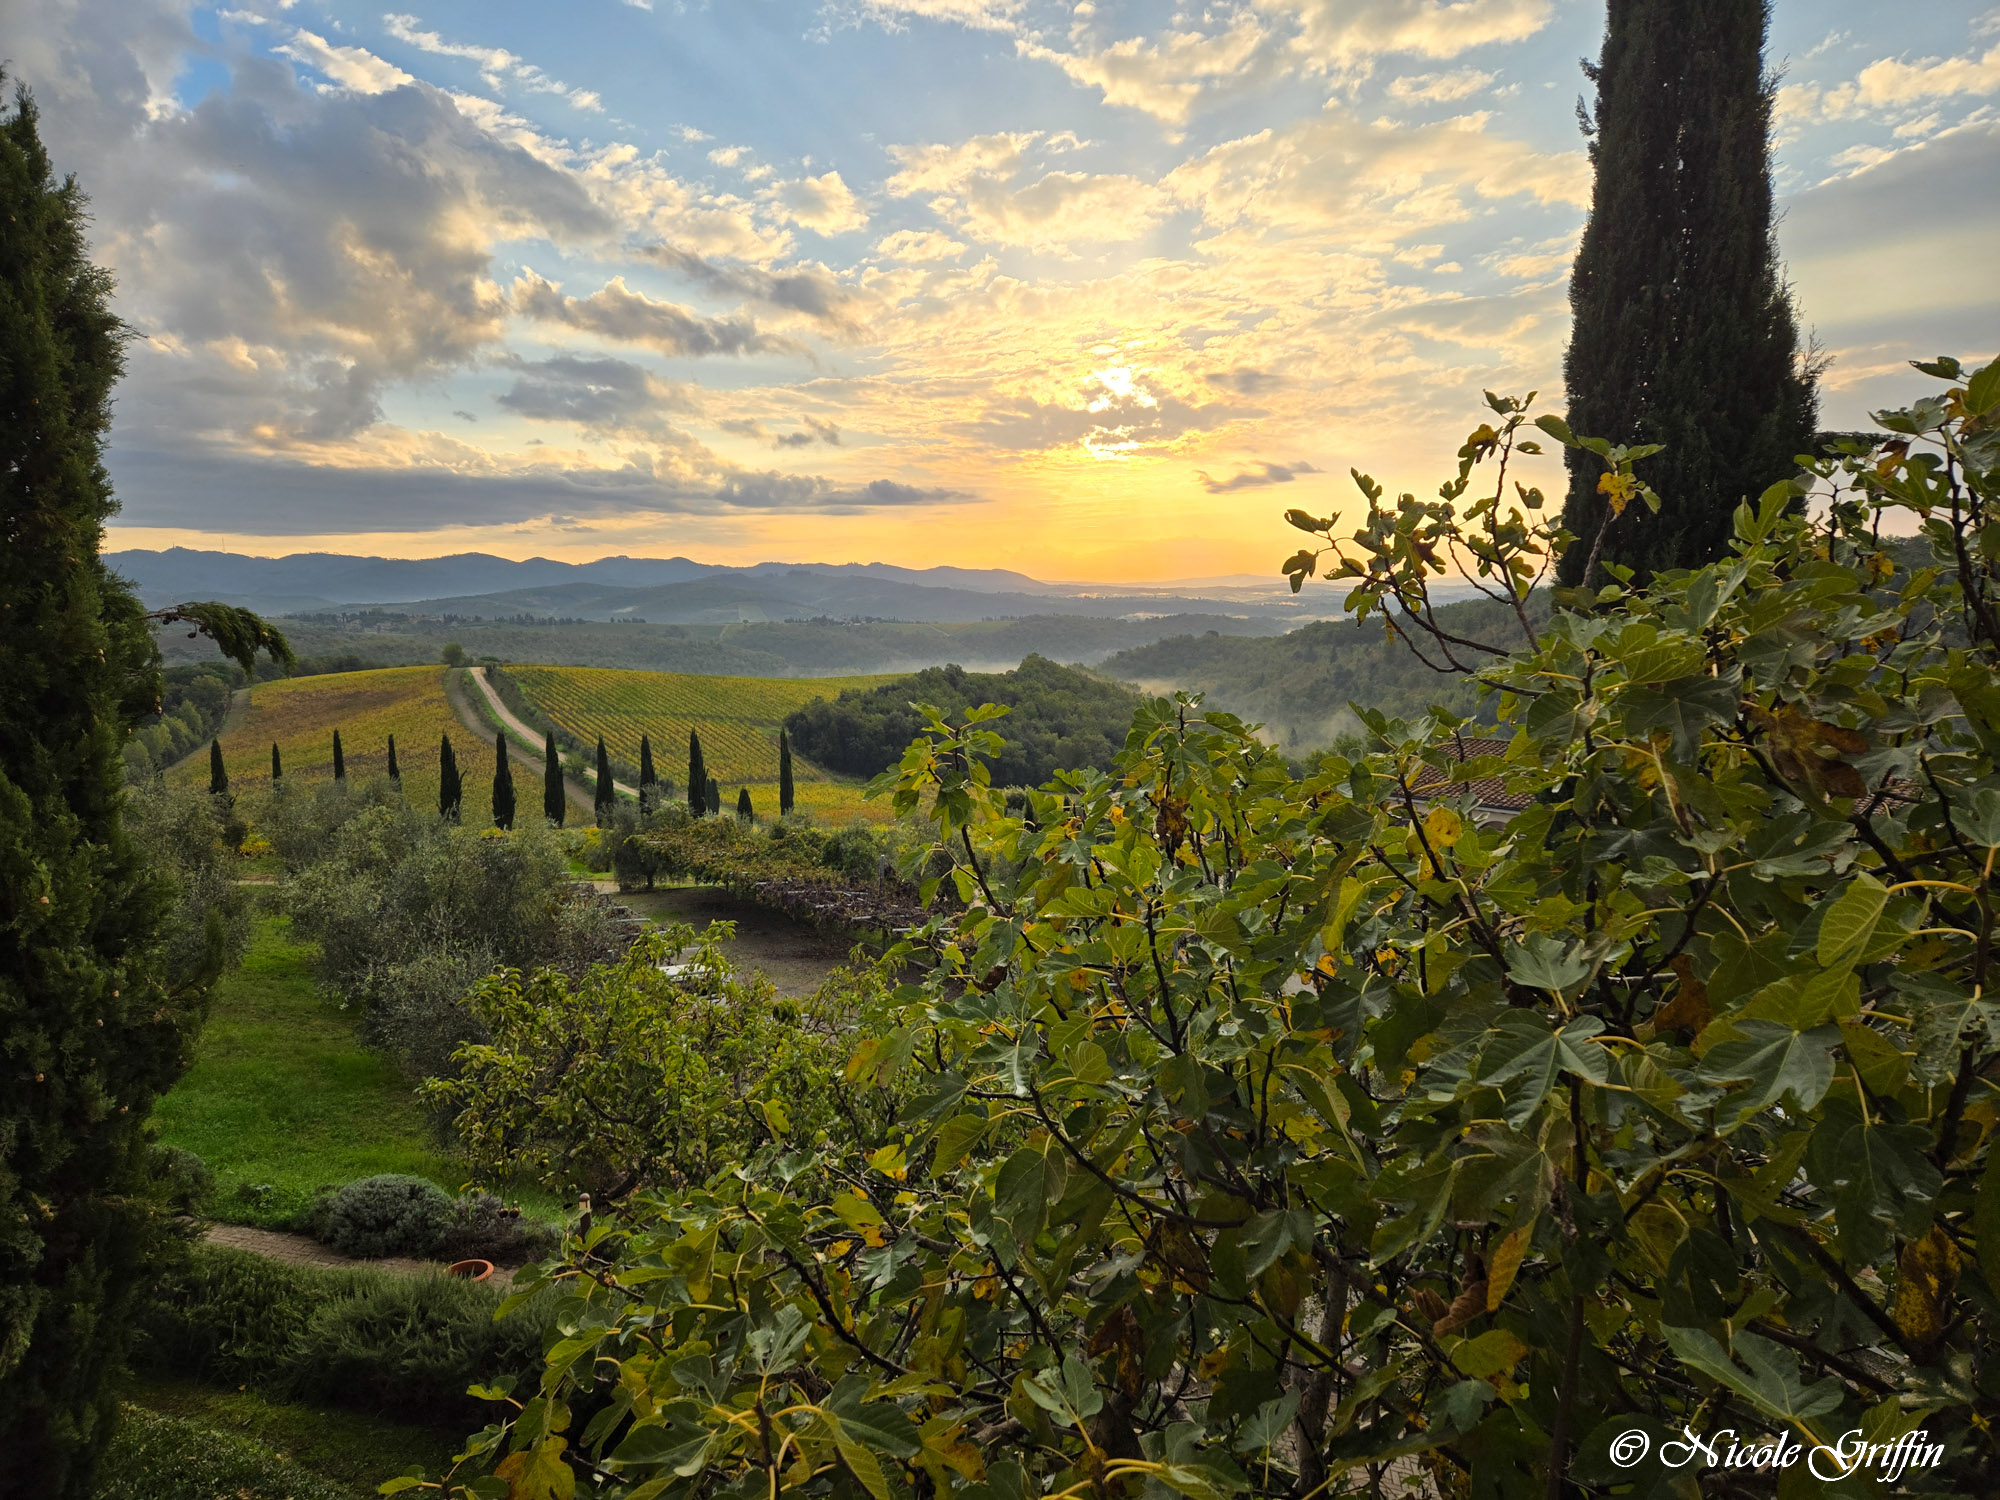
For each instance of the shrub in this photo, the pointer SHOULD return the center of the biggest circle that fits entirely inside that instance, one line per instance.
(390, 1214)
(483, 1227)
(155, 1457)
(183, 1179)
(357, 1337)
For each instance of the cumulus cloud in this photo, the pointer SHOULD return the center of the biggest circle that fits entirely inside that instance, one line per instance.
(1262, 473)
(811, 290)
(823, 204)
(985, 187)
(615, 311)
(1347, 36)
(816, 430)
(1163, 76)
(1889, 84)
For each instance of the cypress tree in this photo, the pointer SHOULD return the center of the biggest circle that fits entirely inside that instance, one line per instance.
(743, 808)
(697, 777)
(555, 802)
(93, 1023)
(649, 780)
(1684, 332)
(607, 794)
(784, 774)
(714, 799)
(503, 784)
(218, 774)
(339, 762)
(394, 774)
(277, 765)
(451, 792)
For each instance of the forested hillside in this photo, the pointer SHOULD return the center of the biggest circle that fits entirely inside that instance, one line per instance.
(1062, 719)
(1300, 685)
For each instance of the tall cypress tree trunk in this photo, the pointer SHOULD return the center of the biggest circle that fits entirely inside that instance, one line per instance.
(277, 765)
(1684, 331)
(555, 801)
(503, 784)
(784, 774)
(339, 761)
(218, 774)
(395, 775)
(697, 777)
(89, 1032)
(649, 780)
(451, 792)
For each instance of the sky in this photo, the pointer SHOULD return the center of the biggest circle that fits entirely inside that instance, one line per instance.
(1091, 290)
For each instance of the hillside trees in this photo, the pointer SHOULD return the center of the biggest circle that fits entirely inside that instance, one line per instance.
(95, 1016)
(1285, 1136)
(1062, 718)
(1684, 331)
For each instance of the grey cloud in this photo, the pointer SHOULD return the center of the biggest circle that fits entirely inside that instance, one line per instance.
(1245, 381)
(817, 431)
(1025, 424)
(815, 292)
(603, 393)
(615, 311)
(464, 416)
(1265, 472)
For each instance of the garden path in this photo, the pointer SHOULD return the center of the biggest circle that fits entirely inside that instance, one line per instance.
(298, 1250)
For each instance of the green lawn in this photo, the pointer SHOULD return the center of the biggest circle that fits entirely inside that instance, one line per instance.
(284, 1096)
(355, 1453)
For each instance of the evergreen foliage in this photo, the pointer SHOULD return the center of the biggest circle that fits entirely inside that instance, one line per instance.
(697, 777)
(555, 800)
(451, 788)
(92, 1029)
(649, 779)
(743, 808)
(1684, 331)
(339, 760)
(714, 798)
(395, 774)
(784, 774)
(218, 774)
(503, 784)
(1061, 719)
(277, 765)
(606, 792)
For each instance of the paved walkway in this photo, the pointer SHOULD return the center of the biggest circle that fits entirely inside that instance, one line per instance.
(298, 1250)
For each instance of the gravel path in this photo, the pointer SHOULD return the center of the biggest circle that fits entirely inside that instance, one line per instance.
(297, 1250)
(528, 736)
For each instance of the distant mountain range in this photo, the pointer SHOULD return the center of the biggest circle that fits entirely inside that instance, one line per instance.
(673, 590)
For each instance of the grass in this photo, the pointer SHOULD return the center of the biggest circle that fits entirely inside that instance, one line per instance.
(283, 1099)
(156, 1457)
(300, 715)
(352, 1452)
(736, 717)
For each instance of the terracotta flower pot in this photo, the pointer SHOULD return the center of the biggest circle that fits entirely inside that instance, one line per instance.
(471, 1270)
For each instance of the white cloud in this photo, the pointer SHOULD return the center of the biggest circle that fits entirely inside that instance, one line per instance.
(353, 68)
(895, 15)
(985, 188)
(823, 204)
(496, 64)
(615, 311)
(1346, 36)
(1162, 76)
(1440, 88)
(920, 245)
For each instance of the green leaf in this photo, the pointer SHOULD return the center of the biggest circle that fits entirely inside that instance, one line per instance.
(1879, 1175)
(1986, 1216)
(1543, 963)
(1020, 1195)
(1526, 1057)
(1776, 1062)
(1850, 923)
(1982, 391)
(1683, 708)
(1771, 1383)
(1268, 1423)
(1069, 1392)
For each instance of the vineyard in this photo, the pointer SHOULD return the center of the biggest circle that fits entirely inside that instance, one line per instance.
(736, 717)
(300, 716)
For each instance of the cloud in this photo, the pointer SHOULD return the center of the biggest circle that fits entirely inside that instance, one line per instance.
(812, 290)
(1162, 76)
(496, 65)
(1440, 88)
(823, 204)
(985, 188)
(1347, 36)
(1263, 473)
(920, 245)
(593, 392)
(353, 68)
(615, 311)
(895, 15)
(816, 430)
(1244, 381)
(1115, 412)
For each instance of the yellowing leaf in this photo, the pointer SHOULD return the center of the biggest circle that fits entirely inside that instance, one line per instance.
(1506, 1263)
(1494, 1353)
(1443, 827)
